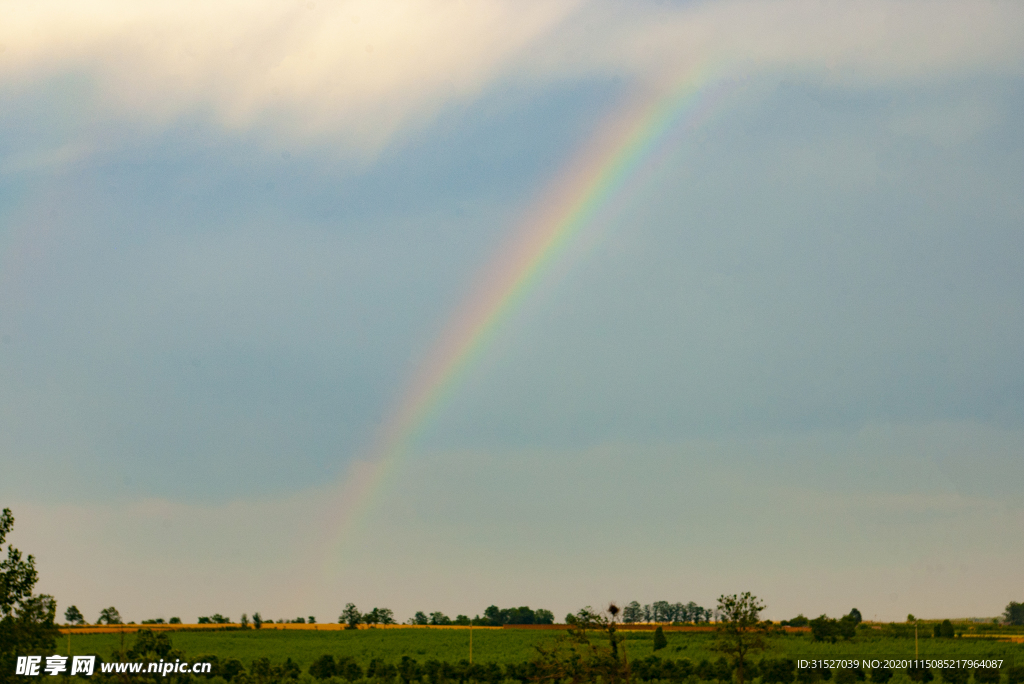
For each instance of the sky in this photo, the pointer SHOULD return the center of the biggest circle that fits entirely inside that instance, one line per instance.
(438, 304)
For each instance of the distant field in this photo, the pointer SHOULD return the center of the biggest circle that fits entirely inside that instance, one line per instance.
(504, 646)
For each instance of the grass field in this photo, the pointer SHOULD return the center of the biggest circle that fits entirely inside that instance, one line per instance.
(517, 646)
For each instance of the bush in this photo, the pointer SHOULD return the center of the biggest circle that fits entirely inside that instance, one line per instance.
(1015, 675)
(918, 673)
(987, 675)
(824, 628)
(660, 641)
(847, 675)
(779, 671)
(955, 675)
(323, 667)
(881, 675)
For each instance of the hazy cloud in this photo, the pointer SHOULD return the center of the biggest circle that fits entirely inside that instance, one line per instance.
(361, 72)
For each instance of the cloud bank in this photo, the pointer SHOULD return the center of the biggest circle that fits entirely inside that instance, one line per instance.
(362, 72)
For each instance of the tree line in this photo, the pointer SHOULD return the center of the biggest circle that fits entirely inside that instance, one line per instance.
(493, 616)
(663, 611)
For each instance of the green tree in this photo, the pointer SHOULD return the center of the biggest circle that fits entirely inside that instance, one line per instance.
(73, 616)
(420, 618)
(660, 641)
(109, 616)
(323, 667)
(257, 620)
(1013, 615)
(632, 612)
(780, 671)
(350, 616)
(824, 628)
(576, 658)
(740, 629)
(27, 620)
(439, 618)
(542, 616)
(946, 630)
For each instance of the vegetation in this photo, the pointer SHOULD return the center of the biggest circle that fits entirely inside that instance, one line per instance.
(512, 654)
(27, 624)
(665, 612)
(660, 641)
(109, 616)
(1014, 614)
(740, 629)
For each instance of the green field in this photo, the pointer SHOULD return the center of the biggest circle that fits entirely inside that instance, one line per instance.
(513, 646)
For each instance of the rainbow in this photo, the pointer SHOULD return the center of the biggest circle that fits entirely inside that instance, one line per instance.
(620, 159)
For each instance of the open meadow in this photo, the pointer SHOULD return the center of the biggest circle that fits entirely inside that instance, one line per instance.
(505, 647)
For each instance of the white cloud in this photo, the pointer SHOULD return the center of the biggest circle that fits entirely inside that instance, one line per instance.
(364, 71)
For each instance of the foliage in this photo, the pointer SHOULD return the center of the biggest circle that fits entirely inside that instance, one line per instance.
(1013, 615)
(987, 675)
(660, 641)
(378, 616)
(523, 615)
(824, 628)
(881, 674)
(798, 621)
(215, 619)
(849, 675)
(919, 673)
(740, 629)
(17, 576)
(955, 675)
(665, 612)
(575, 657)
(778, 671)
(73, 616)
(350, 616)
(257, 620)
(109, 616)
(27, 620)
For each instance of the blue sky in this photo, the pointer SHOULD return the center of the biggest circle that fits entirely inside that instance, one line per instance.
(787, 363)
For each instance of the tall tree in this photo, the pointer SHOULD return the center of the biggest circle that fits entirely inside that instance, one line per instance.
(73, 616)
(27, 620)
(1014, 613)
(740, 629)
(109, 616)
(350, 616)
(632, 612)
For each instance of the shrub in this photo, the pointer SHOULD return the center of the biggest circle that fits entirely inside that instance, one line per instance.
(660, 641)
(881, 674)
(955, 675)
(987, 675)
(323, 667)
(919, 673)
(779, 671)
(824, 628)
